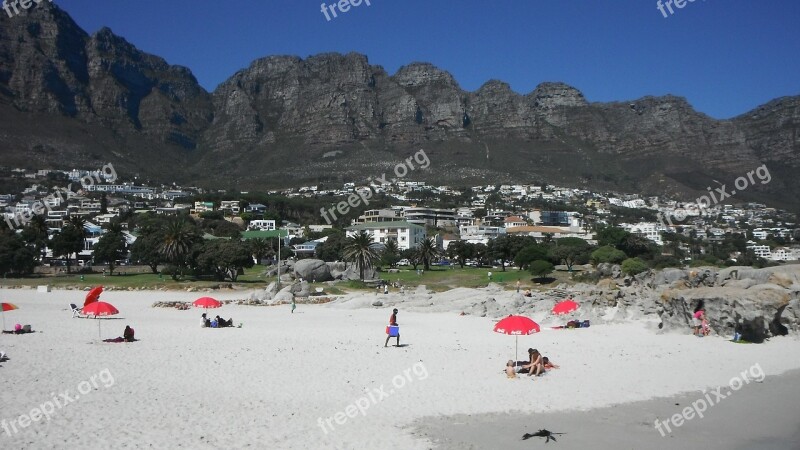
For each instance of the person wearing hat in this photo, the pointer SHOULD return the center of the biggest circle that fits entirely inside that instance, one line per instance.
(392, 323)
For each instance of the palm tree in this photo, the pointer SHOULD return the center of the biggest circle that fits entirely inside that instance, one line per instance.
(178, 240)
(79, 222)
(260, 248)
(428, 251)
(35, 234)
(391, 253)
(360, 250)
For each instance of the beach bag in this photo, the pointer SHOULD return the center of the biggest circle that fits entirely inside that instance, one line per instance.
(26, 329)
(585, 324)
(387, 329)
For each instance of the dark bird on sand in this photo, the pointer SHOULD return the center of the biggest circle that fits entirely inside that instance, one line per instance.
(541, 433)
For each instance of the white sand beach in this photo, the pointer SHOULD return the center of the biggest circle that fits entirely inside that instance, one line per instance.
(268, 384)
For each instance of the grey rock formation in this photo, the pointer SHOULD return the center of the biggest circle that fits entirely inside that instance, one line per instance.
(312, 270)
(285, 295)
(349, 271)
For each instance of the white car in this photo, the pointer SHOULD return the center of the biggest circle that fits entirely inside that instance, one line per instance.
(404, 262)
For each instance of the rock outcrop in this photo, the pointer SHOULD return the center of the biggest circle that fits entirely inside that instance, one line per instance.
(70, 99)
(315, 270)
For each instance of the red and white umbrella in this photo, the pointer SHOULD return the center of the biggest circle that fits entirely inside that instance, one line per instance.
(565, 307)
(207, 302)
(100, 309)
(516, 326)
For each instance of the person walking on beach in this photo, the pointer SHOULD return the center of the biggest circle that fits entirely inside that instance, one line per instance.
(392, 323)
(294, 305)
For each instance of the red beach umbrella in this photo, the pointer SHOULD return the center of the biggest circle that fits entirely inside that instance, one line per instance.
(93, 295)
(565, 307)
(7, 307)
(516, 326)
(207, 302)
(98, 309)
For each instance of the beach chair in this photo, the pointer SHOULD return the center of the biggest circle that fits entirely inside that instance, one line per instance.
(76, 311)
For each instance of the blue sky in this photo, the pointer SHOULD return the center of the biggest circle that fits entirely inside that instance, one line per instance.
(725, 56)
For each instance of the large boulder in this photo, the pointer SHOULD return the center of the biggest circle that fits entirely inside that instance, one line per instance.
(785, 276)
(349, 271)
(300, 289)
(312, 269)
(670, 276)
(609, 270)
(757, 313)
(284, 296)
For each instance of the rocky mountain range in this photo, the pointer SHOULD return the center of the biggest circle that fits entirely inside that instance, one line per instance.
(69, 99)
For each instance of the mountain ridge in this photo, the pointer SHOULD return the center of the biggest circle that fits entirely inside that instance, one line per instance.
(71, 99)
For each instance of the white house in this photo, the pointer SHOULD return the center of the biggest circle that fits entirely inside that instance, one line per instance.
(263, 225)
(762, 251)
(648, 230)
(480, 234)
(407, 235)
(514, 221)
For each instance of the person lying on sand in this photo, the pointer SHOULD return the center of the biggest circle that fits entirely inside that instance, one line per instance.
(19, 329)
(222, 323)
(127, 336)
(547, 364)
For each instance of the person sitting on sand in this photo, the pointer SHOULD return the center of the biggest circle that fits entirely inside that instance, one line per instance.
(534, 366)
(204, 322)
(510, 370)
(128, 334)
(547, 364)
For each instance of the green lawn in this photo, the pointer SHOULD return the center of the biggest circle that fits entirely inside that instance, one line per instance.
(437, 279)
(136, 277)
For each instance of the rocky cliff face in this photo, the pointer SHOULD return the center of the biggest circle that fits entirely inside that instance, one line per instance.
(70, 99)
(67, 98)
